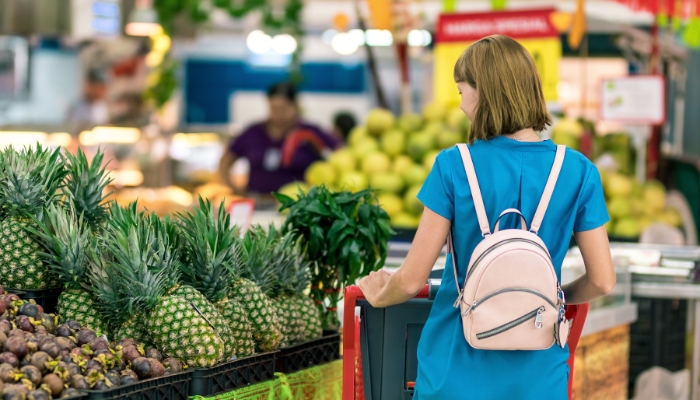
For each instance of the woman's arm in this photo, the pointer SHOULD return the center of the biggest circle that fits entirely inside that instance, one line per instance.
(383, 290)
(600, 277)
(225, 165)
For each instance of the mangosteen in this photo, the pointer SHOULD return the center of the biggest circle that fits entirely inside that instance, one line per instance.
(54, 383)
(8, 373)
(64, 331)
(17, 332)
(129, 372)
(74, 325)
(65, 343)
(32, 373)
(104, 352)
(48, 321)
(101, 385)
(153, 353)
(99, 343)
(29, 310)
(76, 351)
(127, 342)
(79, 382)
(5, 327)
(38, 395)
(94, 365)
(131, 352)
(157, 369)
(70, 392)
(84, 336)
(17, 345)
(113, 377)
(41, 361)
(9, 358)
(24, 323)
(2, 290)
(119, 364)
(172, 365)
(86, 351)
(142, 367)
(51, 349)
(128, 380)
(15, 392)
(32, 344)
(3, 307)
(73, 368)
(40, 330)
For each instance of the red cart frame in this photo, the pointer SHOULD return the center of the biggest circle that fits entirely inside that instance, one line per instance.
(351, 342)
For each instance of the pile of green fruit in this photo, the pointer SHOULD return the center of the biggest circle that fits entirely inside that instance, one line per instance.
(392, 156)
(633, 206)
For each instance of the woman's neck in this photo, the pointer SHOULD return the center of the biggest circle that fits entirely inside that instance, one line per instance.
(277, 132)
(524, 135)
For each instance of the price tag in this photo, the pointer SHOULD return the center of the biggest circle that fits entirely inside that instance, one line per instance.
(241, 211)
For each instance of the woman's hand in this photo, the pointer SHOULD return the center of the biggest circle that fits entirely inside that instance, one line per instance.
(373, 284)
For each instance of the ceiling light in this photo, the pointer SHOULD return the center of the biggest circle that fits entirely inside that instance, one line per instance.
(377, 37)
(284, 44)
(419, 38)
(258, 42)
(344, 43)
(143, 20)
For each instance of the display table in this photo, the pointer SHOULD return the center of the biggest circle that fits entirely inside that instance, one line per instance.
(323, 382)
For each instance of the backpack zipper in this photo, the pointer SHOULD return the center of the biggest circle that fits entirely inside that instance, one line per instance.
(506, 290)
(499, 244)
(536, 313)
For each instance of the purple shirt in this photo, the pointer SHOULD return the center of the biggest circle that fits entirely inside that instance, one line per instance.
(265, 154)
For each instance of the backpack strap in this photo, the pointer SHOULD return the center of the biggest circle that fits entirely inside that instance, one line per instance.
(548, 189)
(476, 192)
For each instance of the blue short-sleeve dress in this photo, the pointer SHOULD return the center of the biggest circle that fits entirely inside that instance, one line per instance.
(511, 174)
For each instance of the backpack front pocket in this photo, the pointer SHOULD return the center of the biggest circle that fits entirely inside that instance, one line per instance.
(536, 313)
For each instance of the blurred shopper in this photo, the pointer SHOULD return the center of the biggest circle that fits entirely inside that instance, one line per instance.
(502, 96)
(343, 123)
(91, 109)
(280, 149)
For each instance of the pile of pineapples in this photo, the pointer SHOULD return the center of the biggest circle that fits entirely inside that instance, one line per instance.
(189, 284)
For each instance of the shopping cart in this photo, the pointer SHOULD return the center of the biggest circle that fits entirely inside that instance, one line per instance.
(378, 365)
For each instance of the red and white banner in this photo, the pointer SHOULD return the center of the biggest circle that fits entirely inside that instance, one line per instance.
(516, 24)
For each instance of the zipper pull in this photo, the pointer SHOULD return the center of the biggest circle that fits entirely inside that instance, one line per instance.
(538, 318)
(459, 299)
(560, 291)
(471, 307)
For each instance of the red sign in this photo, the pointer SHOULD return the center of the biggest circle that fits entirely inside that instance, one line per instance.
(516, 24)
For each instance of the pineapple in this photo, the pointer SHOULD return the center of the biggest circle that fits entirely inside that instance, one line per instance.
(148, 271)
(250, 292)
(85, 188)
(210, 251)
(30, 181)
(67, 241)
(310, 315)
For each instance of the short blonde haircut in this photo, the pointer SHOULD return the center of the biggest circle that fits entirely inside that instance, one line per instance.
(509, 87)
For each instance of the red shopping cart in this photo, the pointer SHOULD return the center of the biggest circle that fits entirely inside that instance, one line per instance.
(377, 364)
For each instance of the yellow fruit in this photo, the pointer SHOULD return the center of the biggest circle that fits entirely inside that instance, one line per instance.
(400, 164)
(434, 112)
(387, 182)
(609, 226)
(415, 175)
(375, 163)
(343, 160)
(627, 228)
(320, 173)
(419, 145)
(292, 189)
(356, 134)
(378, 121)
(619, 207)
(670, 217)
(393, 143)
(352, 181)
(410, 122)
(455, 118)
(405, 221)
(434, 129)
(392, 204)
(429, 159)
(654, 194)
(364, 146)
(567, 140)
(569, 127)
(617, 185)
(448, 139)
(410, 201)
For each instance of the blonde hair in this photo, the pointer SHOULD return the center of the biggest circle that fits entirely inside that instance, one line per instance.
(508, 85)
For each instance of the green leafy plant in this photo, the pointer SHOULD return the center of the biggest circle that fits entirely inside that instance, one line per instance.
(345, 235)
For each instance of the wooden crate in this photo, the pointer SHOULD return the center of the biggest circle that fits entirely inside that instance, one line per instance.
(602, 365)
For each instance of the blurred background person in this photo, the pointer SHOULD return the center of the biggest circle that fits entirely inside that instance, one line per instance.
(343, 123)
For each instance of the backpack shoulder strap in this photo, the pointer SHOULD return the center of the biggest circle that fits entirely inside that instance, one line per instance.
(476, 192)
(548, 189)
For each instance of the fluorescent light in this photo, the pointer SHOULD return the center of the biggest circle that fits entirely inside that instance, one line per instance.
(419, 38)
(127, 178)
(358, 35)
(284, 44)
(259, 42)
(344, 44)
(109, 134)
(141, 28)
(143, 20)
(191, 139)
(21, 139)
(377, 37)
(60, 139)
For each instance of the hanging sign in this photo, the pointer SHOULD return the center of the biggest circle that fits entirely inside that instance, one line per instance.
(634, 99)
(531, 28)
(241, 211)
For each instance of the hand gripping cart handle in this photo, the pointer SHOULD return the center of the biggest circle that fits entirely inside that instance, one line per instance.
(378, 365)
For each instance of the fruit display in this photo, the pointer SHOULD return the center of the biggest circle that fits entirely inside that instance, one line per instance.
(43, 359)
(633, 206)
(392, 156)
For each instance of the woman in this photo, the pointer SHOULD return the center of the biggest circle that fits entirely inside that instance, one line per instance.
(502, 96)
(280, 149)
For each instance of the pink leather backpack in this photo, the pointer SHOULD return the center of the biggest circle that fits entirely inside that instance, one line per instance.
(511, 297)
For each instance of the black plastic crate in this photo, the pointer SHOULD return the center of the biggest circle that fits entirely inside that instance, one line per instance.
(76, 397)
(233, 375)
(46, 298)
(658, 336)
(305, 355)
(170, 387)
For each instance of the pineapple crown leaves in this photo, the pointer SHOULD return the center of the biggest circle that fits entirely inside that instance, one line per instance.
(210, 250)
(121, 218)
(105, 285)
(85, 186)
(31, 180)
(65, 240)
